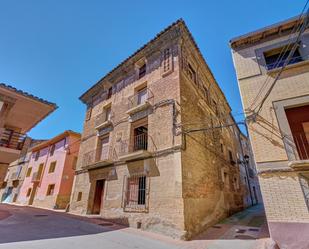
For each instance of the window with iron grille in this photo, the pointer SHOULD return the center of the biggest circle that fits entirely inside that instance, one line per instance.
(277, 57)
(167, 64)
(135, 196)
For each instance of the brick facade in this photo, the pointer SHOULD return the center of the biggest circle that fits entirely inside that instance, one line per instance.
(185, 186)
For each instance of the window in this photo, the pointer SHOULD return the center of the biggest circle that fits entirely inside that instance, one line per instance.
(52, 167)
(29, 192)
(142, 71)
(52, 150)
(222, 147)
(37, 154)
(167, 60)
(135, 194)
(231, 157)
(103, 148)
(88, 112)
(191, 73)
(28, 172)
(276, 58)
(108, 113)
(109, 92)
(50, 189)
(142, 96)
(79, 196)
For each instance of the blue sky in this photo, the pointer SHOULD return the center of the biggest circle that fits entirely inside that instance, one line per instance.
(58, 49)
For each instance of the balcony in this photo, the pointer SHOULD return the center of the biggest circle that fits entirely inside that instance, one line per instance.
(140, 146)
(140, 101)
(98, 158)
(297, 148)
(36, 177)
(103, 120)
(12, 139)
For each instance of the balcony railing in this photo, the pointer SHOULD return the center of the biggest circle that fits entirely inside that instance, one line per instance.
(141, 98)
(104, 156)
(14, 176)
(142, 143)
(36, 177)
(12, 139)
(103, 119)
(297, 146)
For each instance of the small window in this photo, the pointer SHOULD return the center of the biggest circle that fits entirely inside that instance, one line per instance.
(88, 113)
(79, 196)
(28, 172)
(50, 189)
(52, 150)
(52, 167)
(231, 157)
(191, 73)
(222, 148)
(29, 192)
(167, 60)
(276, 58)
(142, 71)
(37, 155)
(109, 92)
(135, 195)
(108, 113)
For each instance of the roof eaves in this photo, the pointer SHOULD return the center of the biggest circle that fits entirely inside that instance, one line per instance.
(82, 97)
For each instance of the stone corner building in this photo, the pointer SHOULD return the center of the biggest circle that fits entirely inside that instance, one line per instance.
(280, 132)
(142, 160)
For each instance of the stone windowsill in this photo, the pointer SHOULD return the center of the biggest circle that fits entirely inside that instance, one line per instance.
(104, 124)
(138, 108)
(298, 64)
(135, 155)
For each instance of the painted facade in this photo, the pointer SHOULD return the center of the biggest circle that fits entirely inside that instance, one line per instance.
(50, 172)
(142, 161)
(279, 132)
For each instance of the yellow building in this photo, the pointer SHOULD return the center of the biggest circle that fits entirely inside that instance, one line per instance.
(279, 132)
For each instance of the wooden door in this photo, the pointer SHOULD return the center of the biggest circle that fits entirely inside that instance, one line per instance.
(98, 196)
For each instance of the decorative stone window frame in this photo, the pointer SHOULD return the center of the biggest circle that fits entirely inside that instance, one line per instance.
(138, 65)
(279, 108)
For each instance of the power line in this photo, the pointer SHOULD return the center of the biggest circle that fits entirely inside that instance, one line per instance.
(291, 53)
(296, 28)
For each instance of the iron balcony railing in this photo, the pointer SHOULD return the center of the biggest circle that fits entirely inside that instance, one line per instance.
(102, 118)
(279, 64)
(140, 98)
(297, 146)
(137, 143)
(106, 154)
(15, 176)
(12, 139)
(36, 177)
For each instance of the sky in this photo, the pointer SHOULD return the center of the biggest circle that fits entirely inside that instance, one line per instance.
(57, 49)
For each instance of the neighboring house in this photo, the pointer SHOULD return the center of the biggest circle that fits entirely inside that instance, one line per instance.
(279, 133)
(16, 174)
(19, 112)
(248, 174)
(50, 172)
(143, 160)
